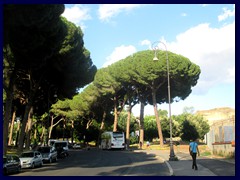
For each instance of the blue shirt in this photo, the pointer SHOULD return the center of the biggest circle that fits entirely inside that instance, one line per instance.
(193, 146)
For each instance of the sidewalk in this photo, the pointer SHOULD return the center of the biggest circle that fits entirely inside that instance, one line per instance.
(182, 167)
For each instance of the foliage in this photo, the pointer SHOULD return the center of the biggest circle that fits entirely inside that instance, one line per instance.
(43, 50)
(189, 131)
(42, 45)
(122, 122)
(150, 128)
(192, 126)
(134, 139)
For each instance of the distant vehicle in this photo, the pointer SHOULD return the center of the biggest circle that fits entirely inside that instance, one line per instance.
(49, 154)
(62, 148)
(51, 142)
(76, 146)
(31, 159)
(64, 144)
(112, 140)
(11, 164)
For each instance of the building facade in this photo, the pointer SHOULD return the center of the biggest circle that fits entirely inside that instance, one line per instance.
(221, 137)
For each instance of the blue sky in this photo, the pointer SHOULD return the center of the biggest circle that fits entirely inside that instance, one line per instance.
(204, 33)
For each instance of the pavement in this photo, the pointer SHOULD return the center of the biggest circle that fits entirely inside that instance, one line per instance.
(183, 166)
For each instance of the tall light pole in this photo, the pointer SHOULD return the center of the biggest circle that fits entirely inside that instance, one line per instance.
(155, 47)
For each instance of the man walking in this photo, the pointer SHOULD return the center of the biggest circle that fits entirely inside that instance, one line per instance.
(193, 150)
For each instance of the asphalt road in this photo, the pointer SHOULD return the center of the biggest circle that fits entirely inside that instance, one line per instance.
(97, 162)
(220, 168)
(217, 166)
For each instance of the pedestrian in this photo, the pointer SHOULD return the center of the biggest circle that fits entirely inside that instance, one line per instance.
(148, 144)
(193, 150)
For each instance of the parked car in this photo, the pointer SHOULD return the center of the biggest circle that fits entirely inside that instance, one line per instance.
(76, 146)
(61, 148)
(62, 153)
(49, 154)
(11, 164)
(31, 159)
(61, 144)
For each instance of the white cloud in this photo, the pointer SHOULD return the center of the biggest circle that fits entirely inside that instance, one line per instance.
(77, 14)
(119, 53)
(184, 14)
(231, 74)
(213, 49)
(146, 43)
(107, 11)
(226, 13)
(204, 5)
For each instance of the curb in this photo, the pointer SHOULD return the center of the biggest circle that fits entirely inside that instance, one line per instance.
(168, 165)
(170, 168)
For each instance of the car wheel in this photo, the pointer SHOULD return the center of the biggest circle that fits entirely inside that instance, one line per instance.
(5, 172)
(19, 169)
(50, 160)
(33, 165)
(56, 159)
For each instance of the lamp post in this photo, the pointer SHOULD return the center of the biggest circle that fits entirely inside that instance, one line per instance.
(155, 47)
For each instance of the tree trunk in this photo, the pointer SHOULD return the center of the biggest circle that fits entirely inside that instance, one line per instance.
(141, 124)
(7, 111)
(23, 127)
(28, 129)
(72, 128)
(17, 137)
(101, 128)
(50, 128)
(157, 117)
(35, 134)
(42, 135)
(103, 120)
(11, 127)
(115, 115)
(128, 127)
(64, 126)
(53, 125)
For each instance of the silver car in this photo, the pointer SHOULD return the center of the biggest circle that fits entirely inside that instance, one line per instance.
(11, 164)
(31, 159)
(49, 154)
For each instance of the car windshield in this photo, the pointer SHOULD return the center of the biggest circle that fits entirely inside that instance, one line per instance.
(44, 149)
(29, 154)
(60, 144)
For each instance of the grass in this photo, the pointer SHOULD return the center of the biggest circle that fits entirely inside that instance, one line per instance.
(206, 153)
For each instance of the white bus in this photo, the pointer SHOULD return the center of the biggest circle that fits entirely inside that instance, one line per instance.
(112, 140)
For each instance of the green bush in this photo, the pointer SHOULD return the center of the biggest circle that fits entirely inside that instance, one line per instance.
(133, 139)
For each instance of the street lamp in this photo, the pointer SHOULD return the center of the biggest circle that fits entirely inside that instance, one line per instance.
(155, 47)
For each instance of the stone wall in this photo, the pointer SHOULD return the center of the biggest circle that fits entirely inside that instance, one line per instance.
(222, 130)
(224, 149)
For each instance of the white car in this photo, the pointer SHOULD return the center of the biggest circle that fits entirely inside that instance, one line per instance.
(31, 159)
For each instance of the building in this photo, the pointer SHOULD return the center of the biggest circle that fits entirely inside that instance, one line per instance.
(221, 137)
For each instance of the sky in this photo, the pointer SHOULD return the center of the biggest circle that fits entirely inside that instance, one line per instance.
(204, 33)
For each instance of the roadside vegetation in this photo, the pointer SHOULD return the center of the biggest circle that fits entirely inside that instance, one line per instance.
(45, 66)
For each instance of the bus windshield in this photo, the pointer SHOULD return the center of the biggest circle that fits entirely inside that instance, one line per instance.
(112, 140)
(117, 135)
